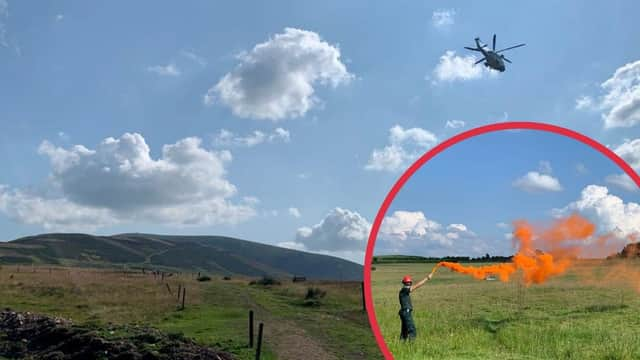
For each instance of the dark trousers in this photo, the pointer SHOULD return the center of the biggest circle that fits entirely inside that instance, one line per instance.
(408, 330)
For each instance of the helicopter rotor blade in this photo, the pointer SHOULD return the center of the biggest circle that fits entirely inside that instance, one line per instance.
(509, 48)
(472, 49)
(481, 60)
(505, 59)
(494, 42)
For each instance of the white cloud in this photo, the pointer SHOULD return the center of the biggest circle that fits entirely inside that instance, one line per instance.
(52, 214)
(280, 134)
(194, 57)
(502, 225)
(406, 145)
(455, 124)
(443, 18)
(630, 152)
(292, 245)
(457, 227)
(340, 230)
(168, 70)
(453, 68)
(585, 103)
(391, 158)
(411, 232)
(4, 17)
(228, 138)
(621, 100)
(276, 79)
(119, 182)
(610, 212)
(534, 181)
(405, 224)
(622, 181)
(295, 212)
(356, 256)
(59, 17)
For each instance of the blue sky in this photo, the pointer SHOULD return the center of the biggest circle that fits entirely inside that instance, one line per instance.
(485, 178)
(324, 85)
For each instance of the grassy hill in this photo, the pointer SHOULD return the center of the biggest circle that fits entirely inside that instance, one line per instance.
(212, 254)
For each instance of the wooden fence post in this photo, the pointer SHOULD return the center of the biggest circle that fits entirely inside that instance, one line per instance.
(184, 294)
(250, 328)
(364, 303)
(259, 347)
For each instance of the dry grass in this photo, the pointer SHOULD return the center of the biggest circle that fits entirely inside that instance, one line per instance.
(94, 294)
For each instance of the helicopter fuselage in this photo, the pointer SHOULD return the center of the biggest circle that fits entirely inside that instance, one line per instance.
(493, 61)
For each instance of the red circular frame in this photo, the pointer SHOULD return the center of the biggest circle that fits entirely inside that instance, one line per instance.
(435, 151)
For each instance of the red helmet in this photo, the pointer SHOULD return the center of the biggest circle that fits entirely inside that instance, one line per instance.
(406, 279)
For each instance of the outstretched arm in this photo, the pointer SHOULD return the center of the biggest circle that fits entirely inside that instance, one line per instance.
(421, 282)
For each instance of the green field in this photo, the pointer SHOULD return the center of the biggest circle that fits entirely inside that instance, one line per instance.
(216, 311)
(458, 317)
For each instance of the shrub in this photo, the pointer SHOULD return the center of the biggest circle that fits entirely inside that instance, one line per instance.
(204, 278)
(313, 296)
(226, 278)
(315, 293)
(265, 281)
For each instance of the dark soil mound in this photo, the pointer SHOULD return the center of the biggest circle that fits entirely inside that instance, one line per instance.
(630, 251)
(30, 336)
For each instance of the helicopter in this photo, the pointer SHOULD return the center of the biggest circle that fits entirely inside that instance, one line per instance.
(492, 58)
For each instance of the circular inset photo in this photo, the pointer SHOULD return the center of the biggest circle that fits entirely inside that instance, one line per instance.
(510, 241)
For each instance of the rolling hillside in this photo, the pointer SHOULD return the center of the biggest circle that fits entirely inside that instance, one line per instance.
(212, 254)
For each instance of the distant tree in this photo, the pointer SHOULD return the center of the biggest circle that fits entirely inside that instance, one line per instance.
(204, 278)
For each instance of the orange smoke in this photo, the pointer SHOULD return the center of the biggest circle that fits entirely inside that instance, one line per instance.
(481, 272)
(563, 241)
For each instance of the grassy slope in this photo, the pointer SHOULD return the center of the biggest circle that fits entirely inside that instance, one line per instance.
(217, 254)
(216, 312)
(461, 318)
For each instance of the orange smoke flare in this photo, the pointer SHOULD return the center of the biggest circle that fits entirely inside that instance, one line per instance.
(536, 266)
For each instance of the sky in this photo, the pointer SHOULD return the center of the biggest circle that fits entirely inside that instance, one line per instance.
(287, 123)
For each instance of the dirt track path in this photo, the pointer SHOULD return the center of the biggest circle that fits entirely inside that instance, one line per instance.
(288, 340)
(291, 342)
